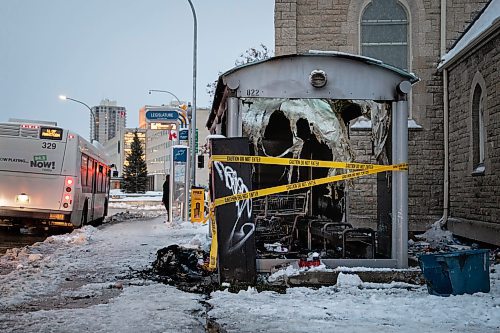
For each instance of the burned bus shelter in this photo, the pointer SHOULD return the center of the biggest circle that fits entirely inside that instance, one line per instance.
(301, 107)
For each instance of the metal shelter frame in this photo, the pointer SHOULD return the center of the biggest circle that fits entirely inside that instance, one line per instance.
(328, 75)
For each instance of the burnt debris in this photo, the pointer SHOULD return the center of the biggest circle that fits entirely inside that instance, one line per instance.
(184, 268)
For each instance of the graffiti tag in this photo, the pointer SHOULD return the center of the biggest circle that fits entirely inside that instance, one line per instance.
(236, 185)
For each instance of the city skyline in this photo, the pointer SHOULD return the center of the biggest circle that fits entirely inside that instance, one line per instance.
(93, 50)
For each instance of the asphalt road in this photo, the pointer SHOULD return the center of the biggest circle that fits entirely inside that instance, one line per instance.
(10, 239)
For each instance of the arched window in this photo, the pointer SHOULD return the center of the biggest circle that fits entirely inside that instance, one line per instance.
(384, 32)
(478, 133)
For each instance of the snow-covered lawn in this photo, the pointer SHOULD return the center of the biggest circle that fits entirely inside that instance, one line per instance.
(82, 282)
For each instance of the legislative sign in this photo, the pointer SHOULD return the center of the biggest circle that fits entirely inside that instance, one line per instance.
(161, 114)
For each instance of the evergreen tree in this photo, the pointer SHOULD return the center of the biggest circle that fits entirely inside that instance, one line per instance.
(135, 173)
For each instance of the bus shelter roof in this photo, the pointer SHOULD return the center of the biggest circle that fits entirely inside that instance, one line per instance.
(345, 76)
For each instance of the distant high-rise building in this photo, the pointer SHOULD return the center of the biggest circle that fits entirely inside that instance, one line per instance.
(110, 119)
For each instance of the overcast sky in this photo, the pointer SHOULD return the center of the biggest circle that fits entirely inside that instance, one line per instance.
(118, 49)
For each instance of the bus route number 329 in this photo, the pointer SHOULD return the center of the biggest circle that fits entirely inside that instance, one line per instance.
(49, 145)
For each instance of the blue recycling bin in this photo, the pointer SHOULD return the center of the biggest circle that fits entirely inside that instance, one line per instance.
(456, 273)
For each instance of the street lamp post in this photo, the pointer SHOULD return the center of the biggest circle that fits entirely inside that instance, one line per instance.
(193, 110)
(63, 97)
(167, 92)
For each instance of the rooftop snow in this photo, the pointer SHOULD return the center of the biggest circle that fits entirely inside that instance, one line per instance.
(488, 18)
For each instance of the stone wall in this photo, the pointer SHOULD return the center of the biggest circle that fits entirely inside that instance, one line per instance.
(363, 191)
(475, 198)
(285, 26)
(302, 25)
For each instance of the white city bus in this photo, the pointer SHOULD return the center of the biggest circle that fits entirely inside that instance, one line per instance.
(50, 176)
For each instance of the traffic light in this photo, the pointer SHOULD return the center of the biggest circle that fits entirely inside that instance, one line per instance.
(201, 161)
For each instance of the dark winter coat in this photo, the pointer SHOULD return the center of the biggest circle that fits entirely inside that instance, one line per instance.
(166, 192)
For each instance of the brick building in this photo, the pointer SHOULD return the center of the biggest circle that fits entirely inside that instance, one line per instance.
(412, 35)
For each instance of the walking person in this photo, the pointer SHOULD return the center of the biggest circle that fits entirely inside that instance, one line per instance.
(166, 194)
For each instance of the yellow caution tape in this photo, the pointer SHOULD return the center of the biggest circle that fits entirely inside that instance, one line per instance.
(307, 183)
(292, 161)
(364, 170)
(212, 264)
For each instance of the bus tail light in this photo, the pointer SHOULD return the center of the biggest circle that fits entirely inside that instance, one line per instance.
(67, 201)
(68, 188)
(69, 184)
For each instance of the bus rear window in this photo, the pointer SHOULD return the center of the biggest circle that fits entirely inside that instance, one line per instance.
(51, 133)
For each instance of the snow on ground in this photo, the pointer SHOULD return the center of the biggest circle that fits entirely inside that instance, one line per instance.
(354, 306)
(149, 307)
(120, 196)
(81, 282)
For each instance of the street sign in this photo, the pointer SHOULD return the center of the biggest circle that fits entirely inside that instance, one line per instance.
(179, 168)
(196, 142)
(183, 134)
(162, 115)
(179, 154)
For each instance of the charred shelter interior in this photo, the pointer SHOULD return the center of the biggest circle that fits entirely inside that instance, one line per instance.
(313, 219)
(302, 107)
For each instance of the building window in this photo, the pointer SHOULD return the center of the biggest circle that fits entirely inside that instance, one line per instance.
(384, 32)
(478, 132)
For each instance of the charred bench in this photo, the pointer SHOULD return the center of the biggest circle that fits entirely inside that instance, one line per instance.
(358, 240)
(276, 216)
(283, 219)
(340, 238)
(325, 232)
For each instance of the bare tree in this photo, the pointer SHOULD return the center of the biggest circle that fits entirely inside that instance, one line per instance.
(253, 54)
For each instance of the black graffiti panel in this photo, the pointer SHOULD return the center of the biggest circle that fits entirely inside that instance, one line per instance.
(235, 227)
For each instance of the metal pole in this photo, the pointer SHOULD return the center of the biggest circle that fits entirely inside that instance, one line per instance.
(193, 112)
(400, 183)
(232, 117)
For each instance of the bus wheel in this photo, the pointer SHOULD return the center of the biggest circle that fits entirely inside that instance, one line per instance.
(97, 222)
(85, 212)
(105, 208)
